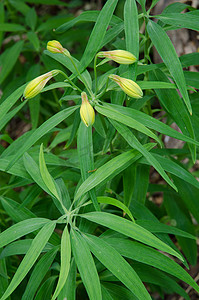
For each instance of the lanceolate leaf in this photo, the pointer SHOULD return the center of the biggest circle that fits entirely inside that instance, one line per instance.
(38, 273)
(65, 262)
(37, 246)
(187, 20)
(172, 103)
(47, 178)
(149, 256)
(134, 143)
(86, 159)
(131, 22)
(147, 121)
(168, 54)
(98, 33)
(111, 168)
(10, 58)
(20, 229)
(131, 122)
(86, 266)
(117, 203)
(113, 261)
(129, 229)
(10, 101)
(41, 131)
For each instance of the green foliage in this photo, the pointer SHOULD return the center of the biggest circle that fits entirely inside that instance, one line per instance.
(78, 214)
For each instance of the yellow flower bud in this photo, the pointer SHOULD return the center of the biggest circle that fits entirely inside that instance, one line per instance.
(56, 47)
(35, 86)
(86, 111)
(131, 88)
(119, 56)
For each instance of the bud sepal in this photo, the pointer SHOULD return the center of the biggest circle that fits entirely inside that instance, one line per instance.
(35, 86)
(55, 47)
(120, 56)
(130, 88)
(86, 111)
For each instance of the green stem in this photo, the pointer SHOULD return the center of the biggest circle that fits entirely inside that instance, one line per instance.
(104, 91)
(95, 72)
(70, 81)
(80, 76)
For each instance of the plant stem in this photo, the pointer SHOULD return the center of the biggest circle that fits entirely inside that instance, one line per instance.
(95, 72)
(70, 81)
(80, 76)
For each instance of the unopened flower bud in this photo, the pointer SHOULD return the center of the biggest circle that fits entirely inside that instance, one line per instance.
(86, 111)
(119, 56)
(35, 86)
(56, 47)
(131, 88)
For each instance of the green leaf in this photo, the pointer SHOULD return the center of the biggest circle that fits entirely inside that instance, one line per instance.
(41, 131)
(117, 203)
(39, 273)
(20, 229)
(168, 54)
(110, 112)
(175, 169)
(11, 27)
(146, 85)
(85, 16)
(65, 262)
(9, 59)
(113, 261)
(46, 290)
(20, 247)
(163, 228)
(86, 266)
(192, 78)
(33, 38)
(178, 211)
(86, 159)
(116, 292)
(69, 289)
(149, 256)
(2, 18)
(187, 20)
(14, 210)
(10, 101)
(33, 253)
(142, 179)
(189, 194)
(175, 107)
(148, 121)
(131, 27)
(109, 169)
(134, 143)
(129, 177)
(20, 6)
(129, 229)
(31, 18)
(98, 33)
(150, 275)
(47, 178)
(33, 169)
(65, 61)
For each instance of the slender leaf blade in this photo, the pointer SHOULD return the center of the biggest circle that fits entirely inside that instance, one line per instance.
(37, 245)
(168, 54)
(65, 262)
(86, 266)
(129, 229)
(98, 32)
(113, 261)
